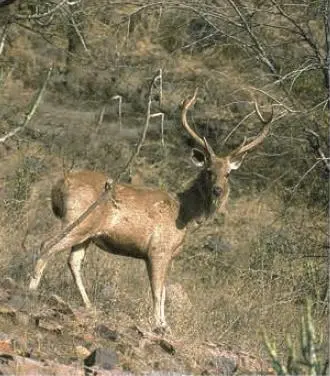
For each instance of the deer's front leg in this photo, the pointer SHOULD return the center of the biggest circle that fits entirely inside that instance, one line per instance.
(157, 268)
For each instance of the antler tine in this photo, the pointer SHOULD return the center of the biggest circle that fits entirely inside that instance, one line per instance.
(187, 103)
(262, 135)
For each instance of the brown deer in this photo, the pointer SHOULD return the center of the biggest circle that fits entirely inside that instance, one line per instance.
(144, 223)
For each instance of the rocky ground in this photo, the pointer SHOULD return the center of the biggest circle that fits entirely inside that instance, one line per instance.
(76, 342)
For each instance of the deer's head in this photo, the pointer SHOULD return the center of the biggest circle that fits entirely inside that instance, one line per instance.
(216, 169)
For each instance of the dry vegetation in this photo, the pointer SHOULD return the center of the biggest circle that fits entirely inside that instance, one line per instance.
(238, 276)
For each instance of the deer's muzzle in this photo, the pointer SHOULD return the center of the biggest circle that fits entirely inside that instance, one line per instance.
(217, 191)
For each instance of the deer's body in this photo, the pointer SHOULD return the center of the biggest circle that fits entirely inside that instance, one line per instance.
(140, 219)
(139, 222)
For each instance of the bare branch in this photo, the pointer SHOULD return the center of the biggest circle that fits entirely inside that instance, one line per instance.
(32, 111)
(78, 32)
(304, 175)
(100, 121)
(304, 34)
(161, 114)
(314, 140)
(145, 129)
(259, 48)
(120, 102)
(3, 37)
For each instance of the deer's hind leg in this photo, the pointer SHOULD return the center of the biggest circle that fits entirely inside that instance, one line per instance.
(51, 248)
(76, 258)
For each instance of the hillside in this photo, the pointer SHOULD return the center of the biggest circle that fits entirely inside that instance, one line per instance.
(242, 273)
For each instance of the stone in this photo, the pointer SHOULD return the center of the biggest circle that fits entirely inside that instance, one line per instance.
(106, 333)
(225, 366)
(82, 352)
(18, 365)
(6, 343)
(50, 326)
(102, 358)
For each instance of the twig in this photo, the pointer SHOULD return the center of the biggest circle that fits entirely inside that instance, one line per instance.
(161, 114)
(3, 37)
(32, 111)
(304, 175)
(160, 86)
(236, 127)
(78, 32)
(120, 102)
(257, 45)
(100, 121)
(275, 100)
(158, 77)
(314, 141)
(128, 29)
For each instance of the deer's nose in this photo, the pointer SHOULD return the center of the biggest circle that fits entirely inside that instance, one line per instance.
(217, 191)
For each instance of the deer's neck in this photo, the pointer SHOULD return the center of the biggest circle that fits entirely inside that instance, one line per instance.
(196, 202)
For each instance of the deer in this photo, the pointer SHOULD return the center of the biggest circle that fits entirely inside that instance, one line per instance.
(143, 223)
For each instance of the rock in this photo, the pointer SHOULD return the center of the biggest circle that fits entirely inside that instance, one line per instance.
(49, 325)
(106, 333)
(6, 343)
(167, 346)
(222, 361)
(82, 352)
(18, 301)
(225, 366)
(102, 358)
(18, 365)
(217, 244)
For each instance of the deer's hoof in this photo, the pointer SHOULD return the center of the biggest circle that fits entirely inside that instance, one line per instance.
(33, 284)
(162, 329)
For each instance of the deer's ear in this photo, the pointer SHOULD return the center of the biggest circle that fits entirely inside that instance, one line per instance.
(236, 161)
(198, 157)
